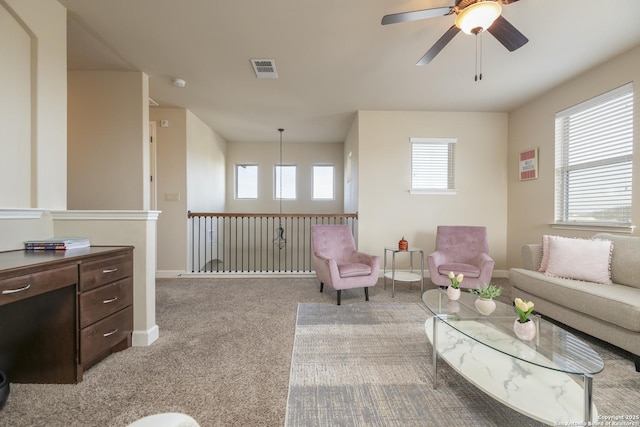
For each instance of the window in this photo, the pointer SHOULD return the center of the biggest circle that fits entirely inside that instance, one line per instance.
(594, 144)
(432, 161)
(323, 182)
(286, 185)
(246, 181)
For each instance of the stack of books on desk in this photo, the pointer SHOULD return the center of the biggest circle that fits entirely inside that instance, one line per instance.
(57, 244)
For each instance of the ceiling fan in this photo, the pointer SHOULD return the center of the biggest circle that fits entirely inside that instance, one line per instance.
(472, 17)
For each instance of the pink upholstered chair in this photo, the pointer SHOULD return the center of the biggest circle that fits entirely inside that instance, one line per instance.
(338, 263)
(461, 249)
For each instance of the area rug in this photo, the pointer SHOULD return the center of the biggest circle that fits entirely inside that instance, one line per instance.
(370, 365)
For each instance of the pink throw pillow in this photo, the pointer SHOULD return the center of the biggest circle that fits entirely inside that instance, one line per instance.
(588, 260)
(544, 262)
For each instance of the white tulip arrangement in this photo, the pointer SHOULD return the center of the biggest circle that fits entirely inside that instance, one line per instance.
(455, 280)
(524, 309)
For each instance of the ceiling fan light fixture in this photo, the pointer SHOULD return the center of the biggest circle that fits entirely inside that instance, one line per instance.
(478, 17)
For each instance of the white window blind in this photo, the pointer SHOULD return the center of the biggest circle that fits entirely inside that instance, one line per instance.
(594, 145)
(432, 165)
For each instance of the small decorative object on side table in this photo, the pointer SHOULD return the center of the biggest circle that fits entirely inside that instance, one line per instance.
(403, 245)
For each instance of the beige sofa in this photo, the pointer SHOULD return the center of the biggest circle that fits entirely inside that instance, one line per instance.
(610, 312)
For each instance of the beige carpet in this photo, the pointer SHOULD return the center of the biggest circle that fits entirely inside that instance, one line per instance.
(224, 357)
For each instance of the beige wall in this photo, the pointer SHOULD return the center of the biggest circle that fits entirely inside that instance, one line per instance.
(350, 178)
(206, 152)
(266, 156)
(108, 160)
(171, 178)
(15, 116)
(18, 226)
(190, 163)
(386, 209)
(531, 203)
(33, 118)
(32, 107)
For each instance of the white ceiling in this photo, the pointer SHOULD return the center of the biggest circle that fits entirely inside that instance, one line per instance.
(334, 58)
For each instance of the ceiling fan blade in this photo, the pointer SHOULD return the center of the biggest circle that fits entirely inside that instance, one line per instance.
(439, 45)
(507, 34)
(416, 15)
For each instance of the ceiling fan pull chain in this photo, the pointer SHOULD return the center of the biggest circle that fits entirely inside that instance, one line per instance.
(476, 76)
(478, 55)
(480, 47)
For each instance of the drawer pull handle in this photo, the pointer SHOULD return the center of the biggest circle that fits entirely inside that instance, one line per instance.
(110, 270)
(110, 300)
(13, 291)
(108, 334)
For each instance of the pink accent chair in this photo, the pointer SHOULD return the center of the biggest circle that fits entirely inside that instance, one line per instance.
(461, 249)
(338, 263)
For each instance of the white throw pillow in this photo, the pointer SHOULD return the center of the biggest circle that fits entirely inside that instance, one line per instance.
(580, 259)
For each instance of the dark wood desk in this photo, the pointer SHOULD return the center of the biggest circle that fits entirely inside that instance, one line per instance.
(63, 311)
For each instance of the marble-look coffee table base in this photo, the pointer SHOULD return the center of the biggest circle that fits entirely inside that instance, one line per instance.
(546, 395)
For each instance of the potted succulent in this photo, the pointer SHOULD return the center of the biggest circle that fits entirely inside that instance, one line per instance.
(524, 327)
(453, 290)
(486, 293)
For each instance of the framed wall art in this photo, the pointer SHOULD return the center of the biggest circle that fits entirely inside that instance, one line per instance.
(528, 164)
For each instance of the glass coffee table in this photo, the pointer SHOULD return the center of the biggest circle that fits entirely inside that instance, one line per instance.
(534, 377)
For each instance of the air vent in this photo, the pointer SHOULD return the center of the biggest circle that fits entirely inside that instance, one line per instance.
(265, 68)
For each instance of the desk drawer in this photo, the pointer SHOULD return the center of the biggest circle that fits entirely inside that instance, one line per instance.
(101, 302)
(21, 287)
(103, 271)
(100, 337)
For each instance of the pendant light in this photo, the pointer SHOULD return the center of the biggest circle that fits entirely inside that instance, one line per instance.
(280, 240)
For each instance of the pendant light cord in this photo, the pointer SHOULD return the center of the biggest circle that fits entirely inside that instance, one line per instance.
(280, 237)
(280, 218)
(280, 198)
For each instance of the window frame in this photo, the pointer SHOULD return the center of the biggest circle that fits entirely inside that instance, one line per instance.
(450, 144)
(237, 180)
(276, 187)
(614, 104)
(333, 181)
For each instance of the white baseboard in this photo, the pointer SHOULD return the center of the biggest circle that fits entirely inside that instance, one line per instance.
(169, 274)
(145, 338)
(498, 274)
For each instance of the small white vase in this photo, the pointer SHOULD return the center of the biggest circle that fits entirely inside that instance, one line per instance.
(453, 293)
(525, 331)
(485, 306)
